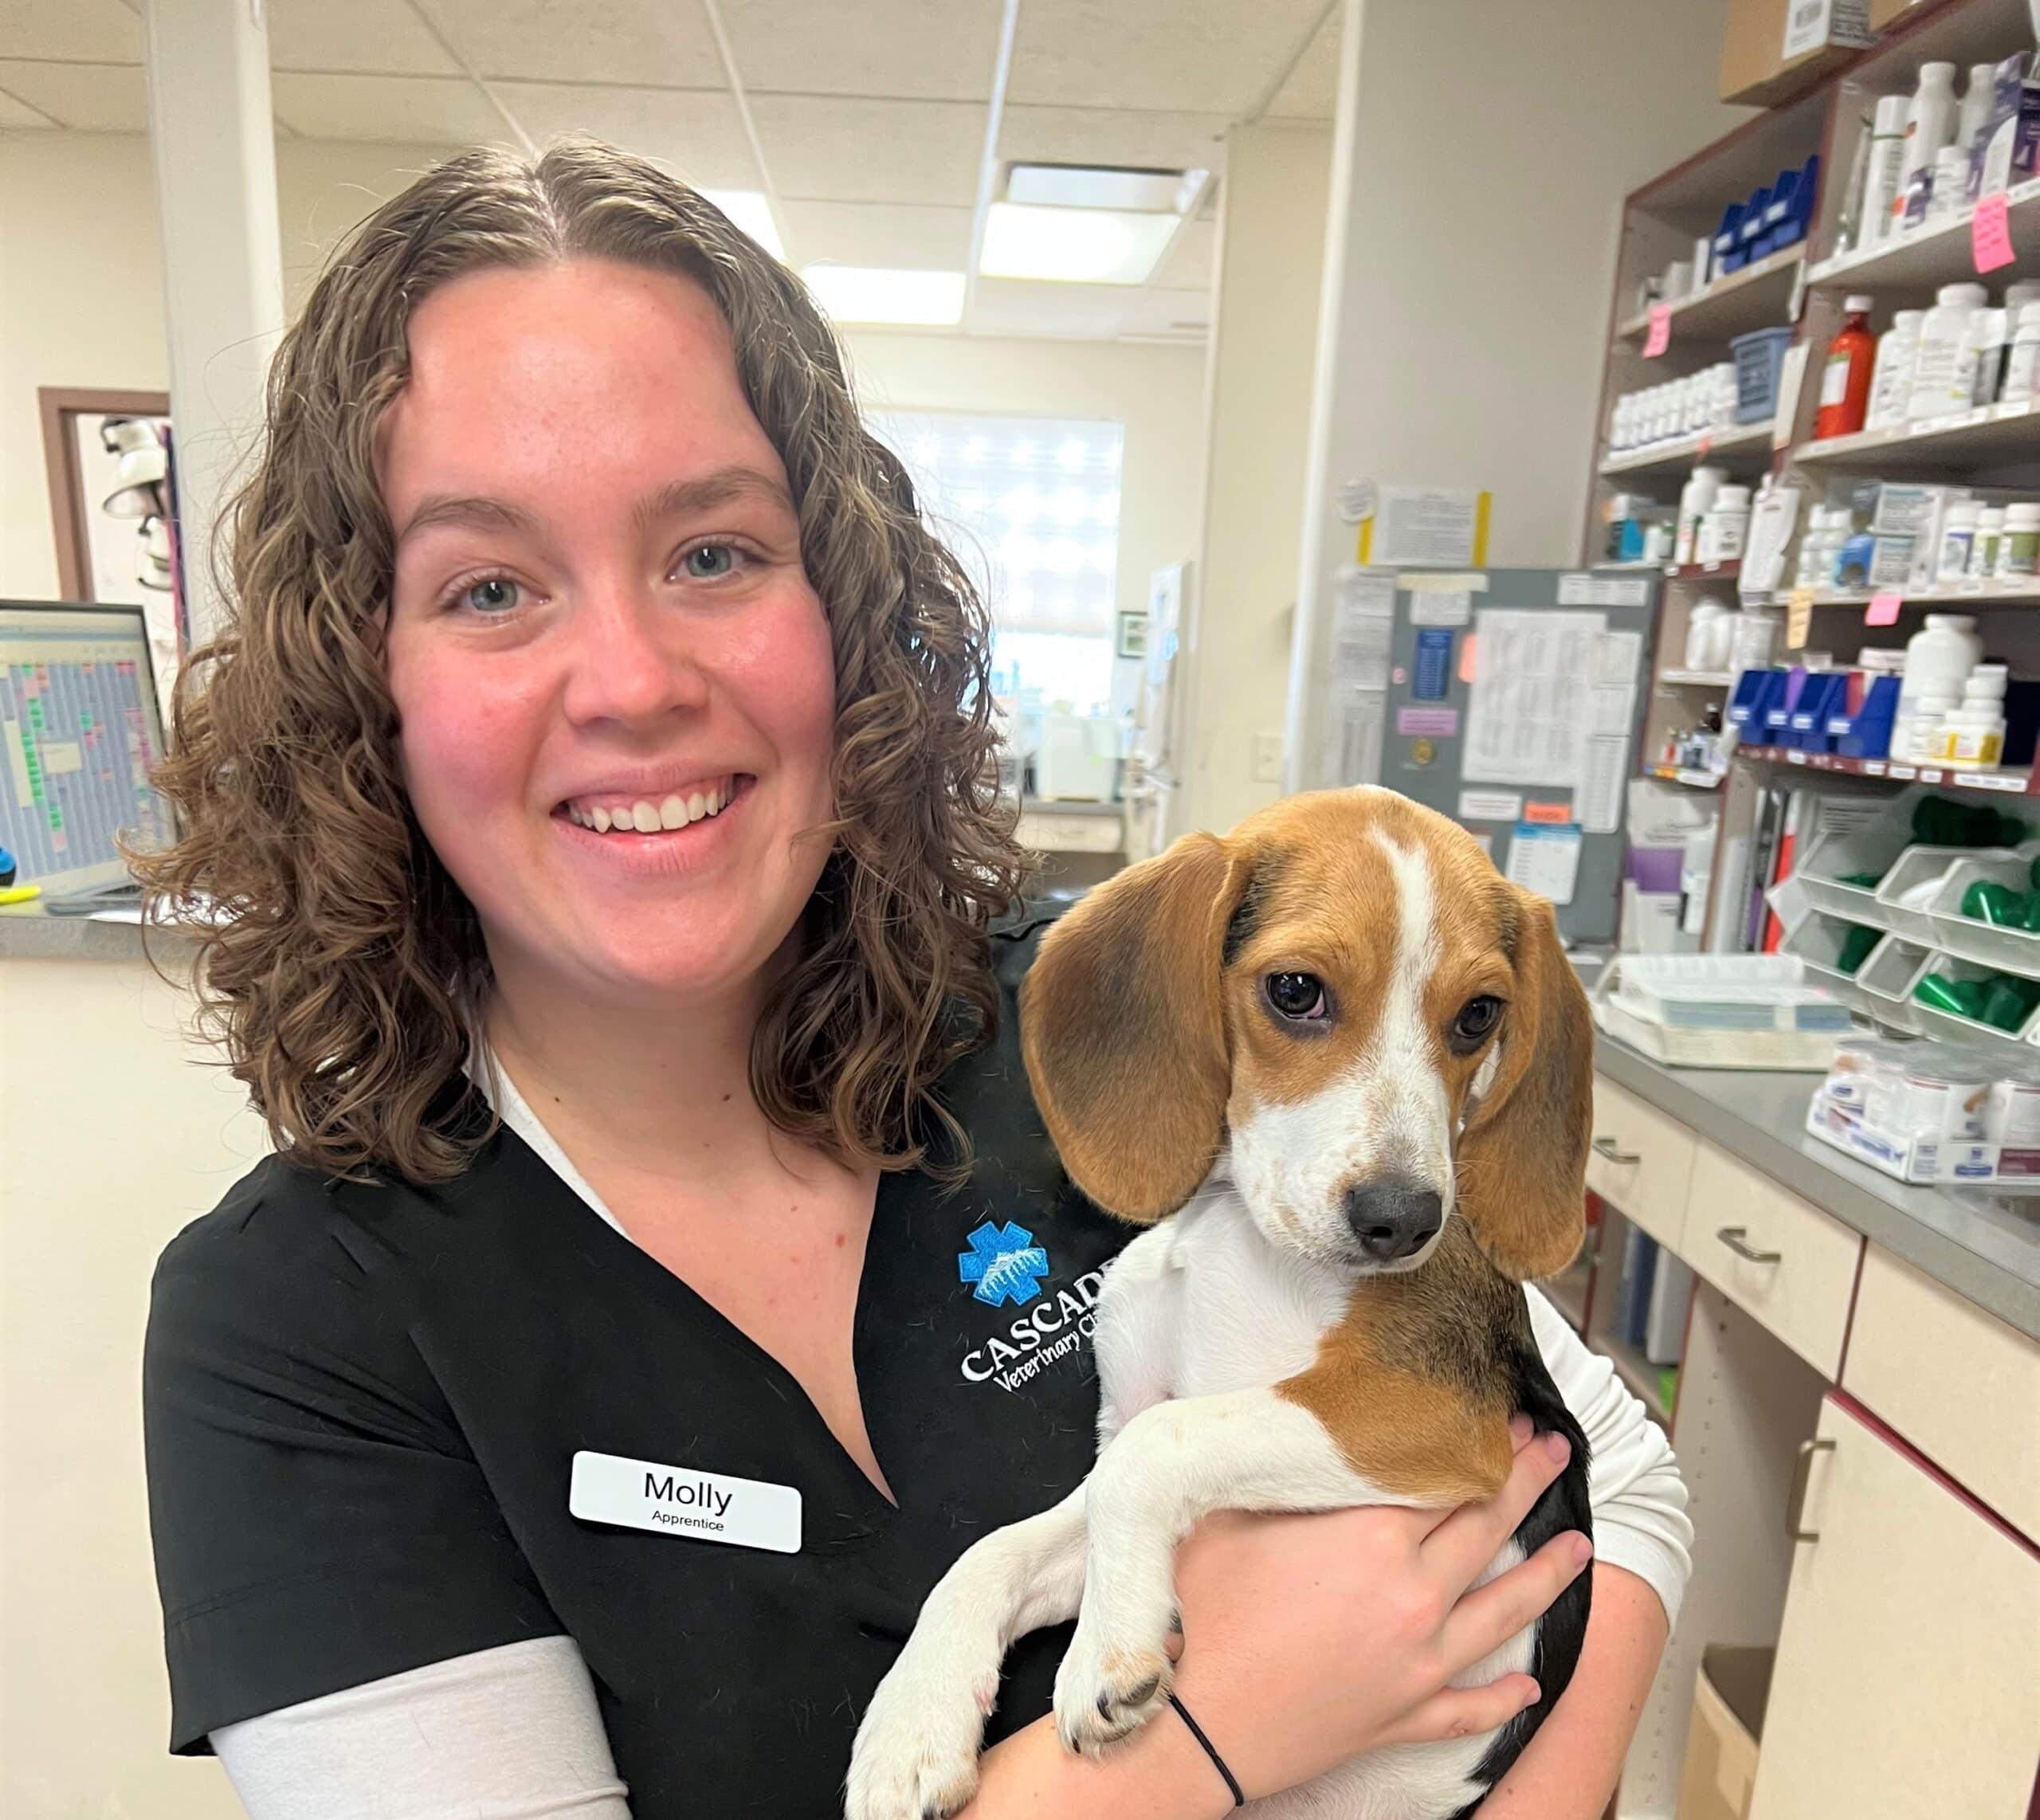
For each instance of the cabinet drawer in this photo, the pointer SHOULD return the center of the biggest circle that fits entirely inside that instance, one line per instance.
(1909, 1654)
(1640, 1161)
(1800, 1285)
(1958, 1383)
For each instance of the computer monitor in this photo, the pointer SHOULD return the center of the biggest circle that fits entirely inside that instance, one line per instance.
(80, 736)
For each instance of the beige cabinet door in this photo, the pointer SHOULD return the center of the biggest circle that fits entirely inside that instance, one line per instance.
(1908, 1682)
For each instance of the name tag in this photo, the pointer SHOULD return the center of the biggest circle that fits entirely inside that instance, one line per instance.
(682, 1500)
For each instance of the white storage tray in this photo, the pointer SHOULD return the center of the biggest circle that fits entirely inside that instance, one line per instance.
(1812, 1051)
(1914, 867)
(1886, 980)
(2008, 950)
(1953, 1028)
(1872, 847)
(1816, 942)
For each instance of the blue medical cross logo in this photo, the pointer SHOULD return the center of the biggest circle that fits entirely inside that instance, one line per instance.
(1003, 1265)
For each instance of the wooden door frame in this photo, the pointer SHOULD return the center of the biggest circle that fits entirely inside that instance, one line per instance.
(57, 404)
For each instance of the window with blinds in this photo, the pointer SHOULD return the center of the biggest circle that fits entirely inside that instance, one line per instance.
(1030, 505)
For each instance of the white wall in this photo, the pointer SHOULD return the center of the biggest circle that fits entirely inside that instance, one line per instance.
(1155, 390)
(1485, 146)
(113, 1141)
(1271, 254)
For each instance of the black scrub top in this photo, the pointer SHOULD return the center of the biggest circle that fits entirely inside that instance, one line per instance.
(363, 1403)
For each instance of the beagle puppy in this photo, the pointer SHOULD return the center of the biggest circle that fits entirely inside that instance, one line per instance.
(1354, 1064)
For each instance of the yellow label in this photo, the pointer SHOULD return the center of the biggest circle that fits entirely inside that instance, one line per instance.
(1798, 617)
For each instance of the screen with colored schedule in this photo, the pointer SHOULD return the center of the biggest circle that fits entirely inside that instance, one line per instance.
(80, 736)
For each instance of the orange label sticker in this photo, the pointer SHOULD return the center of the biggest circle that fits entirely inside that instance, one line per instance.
(1469, 662)
(1547, 814)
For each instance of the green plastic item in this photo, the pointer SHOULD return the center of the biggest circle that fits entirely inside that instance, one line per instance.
(1863, 880)
(1940, 821)
(2004, 1006)
(2030, 920)
(1856, 947)
(1987, 901)
(1964, 997)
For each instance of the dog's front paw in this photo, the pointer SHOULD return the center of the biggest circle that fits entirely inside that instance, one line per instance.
(1104, 1690)
(916, 1757)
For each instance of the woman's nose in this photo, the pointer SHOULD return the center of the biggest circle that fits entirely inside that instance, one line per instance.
(633, 658)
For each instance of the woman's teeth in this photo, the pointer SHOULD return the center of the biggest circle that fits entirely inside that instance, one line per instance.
(644, 817)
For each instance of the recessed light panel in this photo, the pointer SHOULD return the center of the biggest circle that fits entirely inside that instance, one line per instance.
(1096, 186)
(1077, 246)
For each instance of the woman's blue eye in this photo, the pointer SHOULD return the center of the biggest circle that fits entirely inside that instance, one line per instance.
(494, 595)
(709, 562)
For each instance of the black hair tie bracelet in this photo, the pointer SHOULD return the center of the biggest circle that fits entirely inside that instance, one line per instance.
(1211, 1750)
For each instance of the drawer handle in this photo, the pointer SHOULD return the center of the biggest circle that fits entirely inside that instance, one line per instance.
(1737, 1238)
(1605, 1147)
(1795, 1505)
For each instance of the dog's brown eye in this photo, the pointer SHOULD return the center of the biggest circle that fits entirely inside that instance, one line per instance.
(1300, 996)
(1476, 1020)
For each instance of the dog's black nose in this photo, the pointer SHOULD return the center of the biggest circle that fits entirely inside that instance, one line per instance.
(1392, 1219)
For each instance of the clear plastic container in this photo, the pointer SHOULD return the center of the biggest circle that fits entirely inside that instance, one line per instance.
(2019, 556)
(1983, 549)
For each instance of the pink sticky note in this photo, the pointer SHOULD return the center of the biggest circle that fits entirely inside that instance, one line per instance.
(1659, 336)
(1990, 233)
(1883, 610)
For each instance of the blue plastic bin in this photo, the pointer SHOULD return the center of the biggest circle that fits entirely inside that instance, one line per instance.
(1759, 356)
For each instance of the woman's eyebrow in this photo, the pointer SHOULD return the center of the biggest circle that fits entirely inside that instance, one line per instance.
(483, 514)
(722, 486)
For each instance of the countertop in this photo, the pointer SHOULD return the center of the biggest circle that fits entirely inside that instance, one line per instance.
(1983, 1250)
(30, 932)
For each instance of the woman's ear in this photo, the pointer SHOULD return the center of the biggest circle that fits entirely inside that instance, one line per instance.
(1122, 1026)
(1522, 1158)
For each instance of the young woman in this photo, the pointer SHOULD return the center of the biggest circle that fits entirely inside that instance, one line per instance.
(572, 1415)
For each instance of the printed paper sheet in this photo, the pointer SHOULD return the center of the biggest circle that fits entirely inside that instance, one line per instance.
(1535, 675)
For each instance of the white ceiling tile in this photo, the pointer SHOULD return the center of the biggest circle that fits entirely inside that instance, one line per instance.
(70, 31)
(1198, 56)
(421, 110)
(696, 133)
(938, 50)
(1011, 306)
(879, 233)
(666, 44)
(1188, 265)
(1312, 91)
(97, 97)
(1087, 135)
(835, 148)
(385, 35)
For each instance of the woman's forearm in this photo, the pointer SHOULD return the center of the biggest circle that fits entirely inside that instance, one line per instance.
(1569, 1770)
(1158, 1774)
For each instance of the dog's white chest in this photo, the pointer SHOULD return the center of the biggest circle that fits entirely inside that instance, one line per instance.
(1245, 1313)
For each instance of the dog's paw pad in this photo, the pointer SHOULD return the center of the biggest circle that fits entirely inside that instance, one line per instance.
(1123, 1694)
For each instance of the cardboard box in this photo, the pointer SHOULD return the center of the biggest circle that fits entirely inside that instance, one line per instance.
(1754, 66)
(1885, 12)
(1728, 1700)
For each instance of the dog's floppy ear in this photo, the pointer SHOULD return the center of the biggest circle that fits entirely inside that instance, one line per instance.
(1123, 1027)
(1522, 1159)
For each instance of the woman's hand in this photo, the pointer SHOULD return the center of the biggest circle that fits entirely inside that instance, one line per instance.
(1308, 1640)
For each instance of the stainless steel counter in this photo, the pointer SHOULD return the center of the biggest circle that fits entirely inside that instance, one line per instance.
(30, 932)
(1982, 1250)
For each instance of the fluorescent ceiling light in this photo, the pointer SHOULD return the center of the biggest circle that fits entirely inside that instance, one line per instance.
(750, 211)
(1102, 186)
(881, 293)
(1078, 246)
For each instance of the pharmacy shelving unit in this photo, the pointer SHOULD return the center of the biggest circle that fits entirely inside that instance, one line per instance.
(1804, 286)
(1742, 1413)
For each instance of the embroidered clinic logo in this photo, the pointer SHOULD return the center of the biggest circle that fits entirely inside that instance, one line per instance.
(1003, 1265)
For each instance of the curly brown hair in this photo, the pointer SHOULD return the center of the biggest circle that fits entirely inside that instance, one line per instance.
(346, 983)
